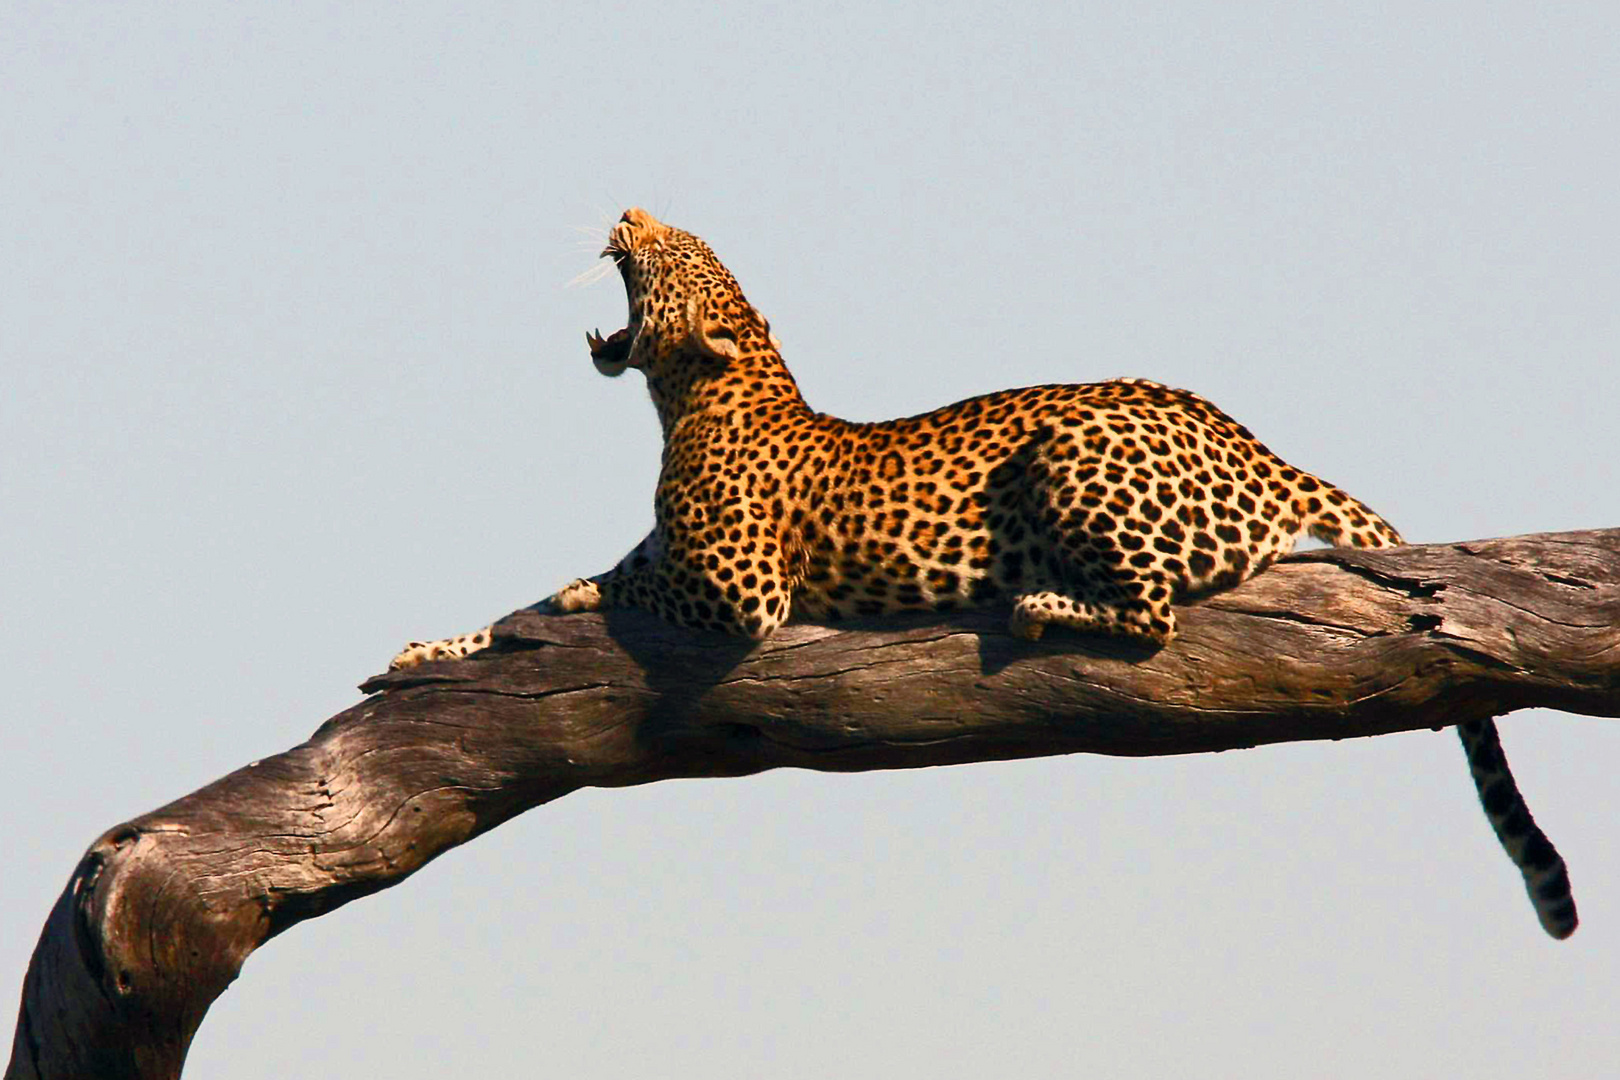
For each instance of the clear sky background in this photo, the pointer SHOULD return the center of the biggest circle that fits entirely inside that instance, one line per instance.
(292, 373)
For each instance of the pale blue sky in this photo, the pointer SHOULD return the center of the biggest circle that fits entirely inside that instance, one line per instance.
(292, 374)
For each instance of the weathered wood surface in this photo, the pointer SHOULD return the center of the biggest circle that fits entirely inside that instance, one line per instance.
(161, 912)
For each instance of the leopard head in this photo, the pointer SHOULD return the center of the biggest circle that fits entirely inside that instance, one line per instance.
(685, 307)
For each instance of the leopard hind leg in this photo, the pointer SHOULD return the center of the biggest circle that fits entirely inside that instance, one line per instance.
(1090, 572)
(1135, 609)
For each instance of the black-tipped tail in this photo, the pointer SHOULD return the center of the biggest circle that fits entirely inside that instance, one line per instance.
(1546, 877)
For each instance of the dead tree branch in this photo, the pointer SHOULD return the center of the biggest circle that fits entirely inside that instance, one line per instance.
(160, 913)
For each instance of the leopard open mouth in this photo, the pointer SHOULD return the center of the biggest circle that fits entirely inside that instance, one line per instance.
(611, 354)
(613, 350)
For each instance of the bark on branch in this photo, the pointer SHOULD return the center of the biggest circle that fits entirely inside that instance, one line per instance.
(160, 913)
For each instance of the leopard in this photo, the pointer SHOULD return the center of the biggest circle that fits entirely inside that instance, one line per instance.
(1093, 507)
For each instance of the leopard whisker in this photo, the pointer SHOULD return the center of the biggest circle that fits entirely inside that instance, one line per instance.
(598, 270)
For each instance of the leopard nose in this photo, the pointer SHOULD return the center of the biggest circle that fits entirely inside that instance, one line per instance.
(637, 217)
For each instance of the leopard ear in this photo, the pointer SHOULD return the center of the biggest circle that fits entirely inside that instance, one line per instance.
(715, 336)
(719, 340)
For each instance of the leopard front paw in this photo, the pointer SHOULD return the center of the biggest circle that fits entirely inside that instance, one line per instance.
(1026, 624)
(421, 652)
(577, 595)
